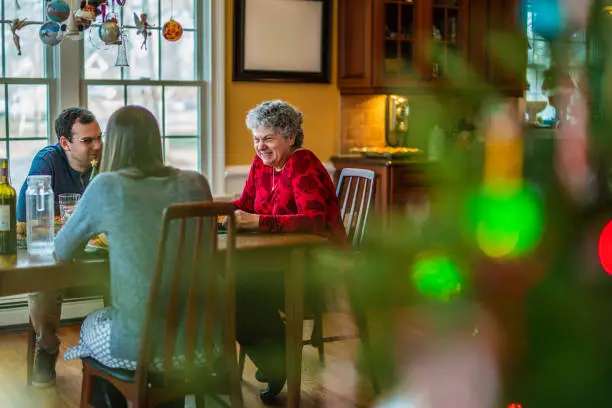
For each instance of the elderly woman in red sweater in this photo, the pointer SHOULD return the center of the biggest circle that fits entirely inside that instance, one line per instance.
(288, 190)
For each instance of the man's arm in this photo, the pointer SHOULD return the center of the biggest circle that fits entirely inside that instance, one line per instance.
(40, 166)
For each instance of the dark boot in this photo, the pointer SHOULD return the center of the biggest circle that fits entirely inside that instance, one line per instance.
(268, 395)
(44, 369)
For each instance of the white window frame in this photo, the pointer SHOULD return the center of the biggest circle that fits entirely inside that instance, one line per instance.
(210, 61)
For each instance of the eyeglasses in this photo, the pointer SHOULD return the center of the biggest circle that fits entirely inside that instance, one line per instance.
(90, 140)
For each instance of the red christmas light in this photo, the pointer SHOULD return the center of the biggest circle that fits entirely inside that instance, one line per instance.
(605, 248)
(515, 405)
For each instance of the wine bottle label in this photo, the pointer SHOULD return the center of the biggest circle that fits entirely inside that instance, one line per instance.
(5, 218)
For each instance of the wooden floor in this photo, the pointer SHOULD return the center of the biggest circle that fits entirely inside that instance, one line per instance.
(337, 385)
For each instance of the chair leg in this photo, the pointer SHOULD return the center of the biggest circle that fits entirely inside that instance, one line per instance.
(362, 326)
(30, 352)
(317, 336)
(86, 387)
(241, 361)
(200, 400)
(235, 388)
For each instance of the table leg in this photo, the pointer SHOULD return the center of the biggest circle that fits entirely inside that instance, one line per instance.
(294, 307)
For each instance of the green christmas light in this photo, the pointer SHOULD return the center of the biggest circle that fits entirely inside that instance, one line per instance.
(506, 220)
(436, 276)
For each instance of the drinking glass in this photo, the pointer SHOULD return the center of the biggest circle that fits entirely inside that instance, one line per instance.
(67, 204)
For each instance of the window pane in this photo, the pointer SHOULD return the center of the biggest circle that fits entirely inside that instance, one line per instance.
(2, 113)
(181, 110)
(2, 51)
(540, 53)
(147, 96)
(182, 153)
(100, 58)
(150, 7)
(28, 111)
(183, 12)
(33, 9)
(144, 64)
(103, 100)
(22, 154)
(30, 64)
(184, 51)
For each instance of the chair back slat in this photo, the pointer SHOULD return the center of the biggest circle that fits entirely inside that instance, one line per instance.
(198, 289)
(210, 299)
(345, 199)
(229, 290)
(366, 191)
(350, 217)
(359, 196)
(192, 299)
(172, 318)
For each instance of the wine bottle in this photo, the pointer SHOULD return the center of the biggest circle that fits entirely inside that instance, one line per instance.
(8, 201)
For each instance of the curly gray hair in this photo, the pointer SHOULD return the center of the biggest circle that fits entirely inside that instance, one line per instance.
(278, 115)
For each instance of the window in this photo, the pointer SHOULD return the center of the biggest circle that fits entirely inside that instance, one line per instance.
(539, 63)
(181, 82)
(24, 125)
(166, 77)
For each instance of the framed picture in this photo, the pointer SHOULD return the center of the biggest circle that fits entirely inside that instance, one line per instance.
(282, 40)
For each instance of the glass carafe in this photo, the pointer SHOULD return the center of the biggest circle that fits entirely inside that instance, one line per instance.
(40, 214)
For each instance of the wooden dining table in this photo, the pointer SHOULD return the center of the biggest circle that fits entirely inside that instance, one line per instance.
(24, 273)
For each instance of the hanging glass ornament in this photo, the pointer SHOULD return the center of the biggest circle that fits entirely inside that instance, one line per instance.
(122, 58)
(58, 10)
(51, 33)
(172, 31)
(109, 32)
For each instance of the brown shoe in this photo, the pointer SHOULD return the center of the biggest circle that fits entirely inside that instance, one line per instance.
(44, 369)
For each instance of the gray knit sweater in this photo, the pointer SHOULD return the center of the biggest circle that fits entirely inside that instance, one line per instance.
(129, 211)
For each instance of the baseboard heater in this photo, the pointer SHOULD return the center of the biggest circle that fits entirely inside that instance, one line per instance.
(14, 310)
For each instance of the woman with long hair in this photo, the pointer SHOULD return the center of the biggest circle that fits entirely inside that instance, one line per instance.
(125, 201)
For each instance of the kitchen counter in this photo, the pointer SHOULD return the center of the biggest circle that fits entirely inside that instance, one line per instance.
(416, 160)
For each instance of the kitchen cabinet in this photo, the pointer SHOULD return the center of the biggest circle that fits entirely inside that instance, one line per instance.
(398, 46)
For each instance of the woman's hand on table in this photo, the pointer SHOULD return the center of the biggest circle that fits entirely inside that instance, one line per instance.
(246, 220)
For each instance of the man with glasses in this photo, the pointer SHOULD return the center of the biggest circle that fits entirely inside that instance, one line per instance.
(70, 163)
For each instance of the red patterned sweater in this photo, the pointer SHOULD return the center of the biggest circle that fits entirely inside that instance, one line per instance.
(299, 198)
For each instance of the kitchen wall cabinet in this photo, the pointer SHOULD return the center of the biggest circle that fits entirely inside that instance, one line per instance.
(399, 46)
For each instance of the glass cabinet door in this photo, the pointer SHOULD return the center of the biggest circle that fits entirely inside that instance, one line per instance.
(400, 17)
(448, 34)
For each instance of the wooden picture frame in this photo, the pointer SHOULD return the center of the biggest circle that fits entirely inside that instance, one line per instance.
(282, 40)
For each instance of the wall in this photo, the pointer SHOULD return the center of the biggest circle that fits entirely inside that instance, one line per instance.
(362, 121)
(320, 104)
(363, 117)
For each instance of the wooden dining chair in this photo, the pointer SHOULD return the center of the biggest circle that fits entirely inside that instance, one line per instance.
(355, 193)
(209, 304)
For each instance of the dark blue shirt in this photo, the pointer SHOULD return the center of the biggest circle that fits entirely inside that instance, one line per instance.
(52, 161)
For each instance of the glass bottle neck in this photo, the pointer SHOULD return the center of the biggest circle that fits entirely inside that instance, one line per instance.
(4, 177)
